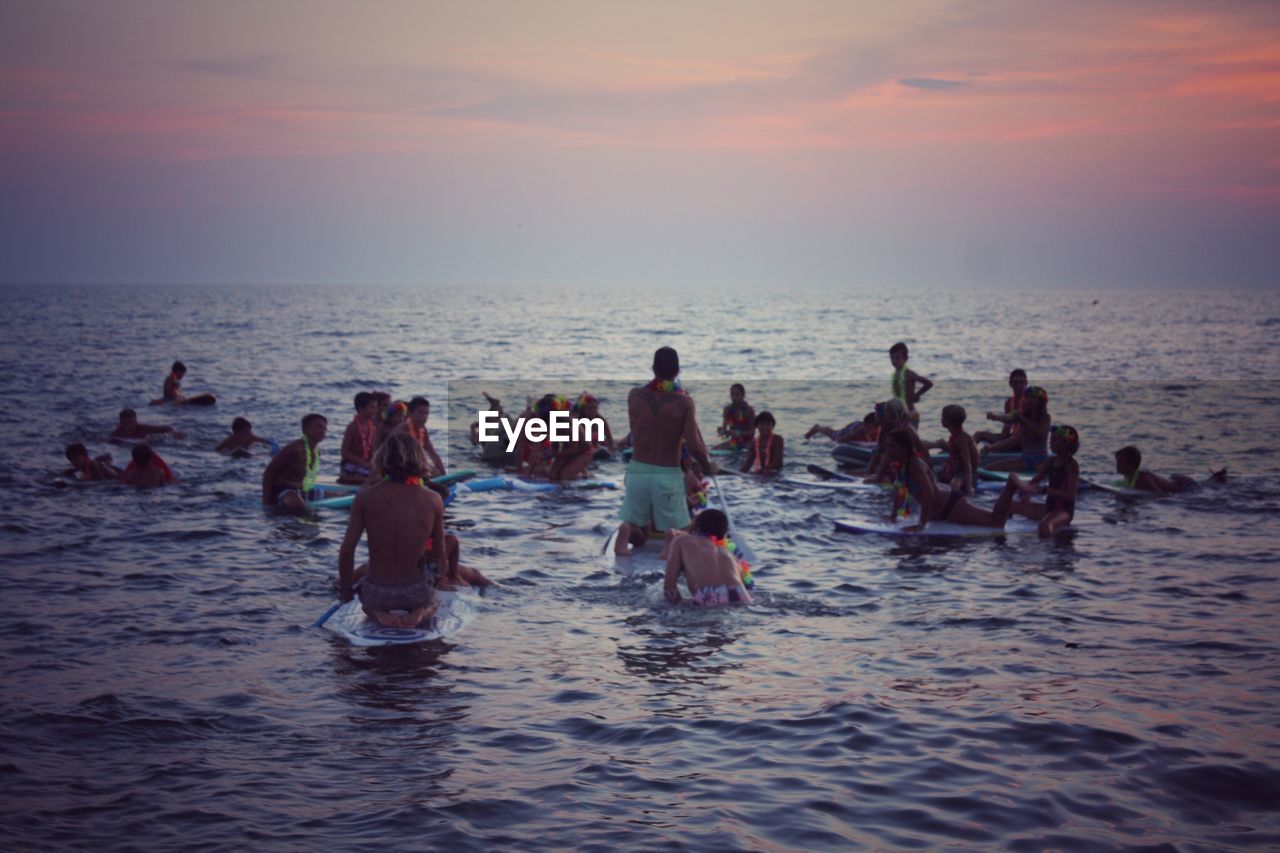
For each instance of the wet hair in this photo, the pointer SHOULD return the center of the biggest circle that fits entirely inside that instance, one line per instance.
(899, 347)
(178, 367)
(738, 386)
(766, 418)
(1131, 455)
(75, 451)
(400, 457)
(711, 522)
(127, 413)
(142, 454)
(1017, 373)
(418, 403)
(1069, 435)
(308, 420)
(902, 438)
(953, 415)
(241, 424)
(363, 399)
(896, 408)
(666, 363)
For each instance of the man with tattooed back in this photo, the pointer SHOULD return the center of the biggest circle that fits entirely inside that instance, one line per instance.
(663, 418)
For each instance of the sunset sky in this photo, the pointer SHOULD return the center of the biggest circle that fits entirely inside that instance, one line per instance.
(937, 144)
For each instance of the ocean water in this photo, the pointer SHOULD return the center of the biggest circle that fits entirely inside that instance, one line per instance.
(162, 685)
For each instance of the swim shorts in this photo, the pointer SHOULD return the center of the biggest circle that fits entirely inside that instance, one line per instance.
(718, 596)
(351, 469)
(380, 595)
(312, 495)
(655, 493)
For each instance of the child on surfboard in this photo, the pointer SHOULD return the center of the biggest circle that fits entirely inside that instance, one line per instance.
(86, 468)
(241, 440)
(359, 440)
(866, 431)
(737, 419)
(937, 502)
(713, 575)
(764, 453)
(129, 430)
(1129, 466)
(893, 416)
(1017, 384)
(961, 468)
(908, 386)
(172, 390)
(1032, 437)
(1061, 474)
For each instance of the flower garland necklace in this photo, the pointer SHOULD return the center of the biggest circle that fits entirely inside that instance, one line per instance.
(666, 386)
(727, 545)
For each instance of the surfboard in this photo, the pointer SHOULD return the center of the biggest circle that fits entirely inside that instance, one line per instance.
(1117, 487)
(344, 499)
(1014, 527)
(456, 610)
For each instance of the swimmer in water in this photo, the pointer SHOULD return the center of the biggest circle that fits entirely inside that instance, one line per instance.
(737, 420)
(712, 574)
(1129, 466)
(86, 468)
(241, 440)
(146, 470)
(764, 453)
(128, 429)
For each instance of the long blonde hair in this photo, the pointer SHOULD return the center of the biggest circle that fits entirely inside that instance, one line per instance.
(400, 457)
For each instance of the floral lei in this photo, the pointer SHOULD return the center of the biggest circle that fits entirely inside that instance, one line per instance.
(666, 386)
(727, 545)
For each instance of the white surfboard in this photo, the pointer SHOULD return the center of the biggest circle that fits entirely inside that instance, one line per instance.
(1014, 527)
(455, 611)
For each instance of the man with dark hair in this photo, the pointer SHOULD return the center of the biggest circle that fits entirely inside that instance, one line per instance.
(662, 418)
(290, 477)
(360, 440)
(416, 426)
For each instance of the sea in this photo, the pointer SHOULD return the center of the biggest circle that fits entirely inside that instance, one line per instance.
(163, 686)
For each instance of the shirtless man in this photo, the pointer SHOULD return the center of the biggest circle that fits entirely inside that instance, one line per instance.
(359, 439)
(290, 477)
(405, 523)
(662, 416)
(129, 429)
(416, 426)
(711, 573)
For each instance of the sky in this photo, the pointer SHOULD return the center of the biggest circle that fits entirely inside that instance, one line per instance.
(1013, 143)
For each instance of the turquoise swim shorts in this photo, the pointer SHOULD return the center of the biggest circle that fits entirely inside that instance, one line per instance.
(655, 493)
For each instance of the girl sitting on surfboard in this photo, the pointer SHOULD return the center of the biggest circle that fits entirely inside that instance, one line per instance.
(938, 502)
(1063, 475)
(962, 451)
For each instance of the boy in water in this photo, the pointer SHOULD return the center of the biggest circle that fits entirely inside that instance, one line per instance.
(128, 428)
(712, 574)
(908, 386)
(1032, 436)
(866, 430)
(737, 419)
(1063, 473)
(84, 468)
(962, 452)
(416, 426)
(289, 480)
(1129, 466)
(358, 441)
(764, 454)
(147, 470)
(172, 392)
(1017, 384)
(241, 439)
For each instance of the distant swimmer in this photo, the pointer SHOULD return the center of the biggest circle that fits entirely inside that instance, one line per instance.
(359, 440)
(713, 575)
(86, 468)
(416, 425)
(405, 523)
(866, 430)
(1031, 439)
(146, 470)
(662, 416)
(242, 439)
(172, 390)
(289, 480)
(908, 386)
(1012, 404)
(764, 453)
(1061, 474)
(129, 430)
(737, 421)
(914, 479)
(1129, 466)
(960, 471)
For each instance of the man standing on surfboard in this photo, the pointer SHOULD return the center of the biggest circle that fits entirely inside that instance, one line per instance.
(662, 417)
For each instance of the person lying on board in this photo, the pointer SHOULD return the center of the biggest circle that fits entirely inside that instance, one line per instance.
(894, 416)
(416, 426)
(866, 430)
(1032, 438)
(1061, 473)
(713, 575)
(908, 386)
(358, 441)
(241, 439)
(86, 468)
(128, 429)
(405, 524)
(1017, 384)
(289, 480)
(737, 420)
(764, 453)
(914, 478)
(146, 470)
(960, 471)
(1129, 466)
